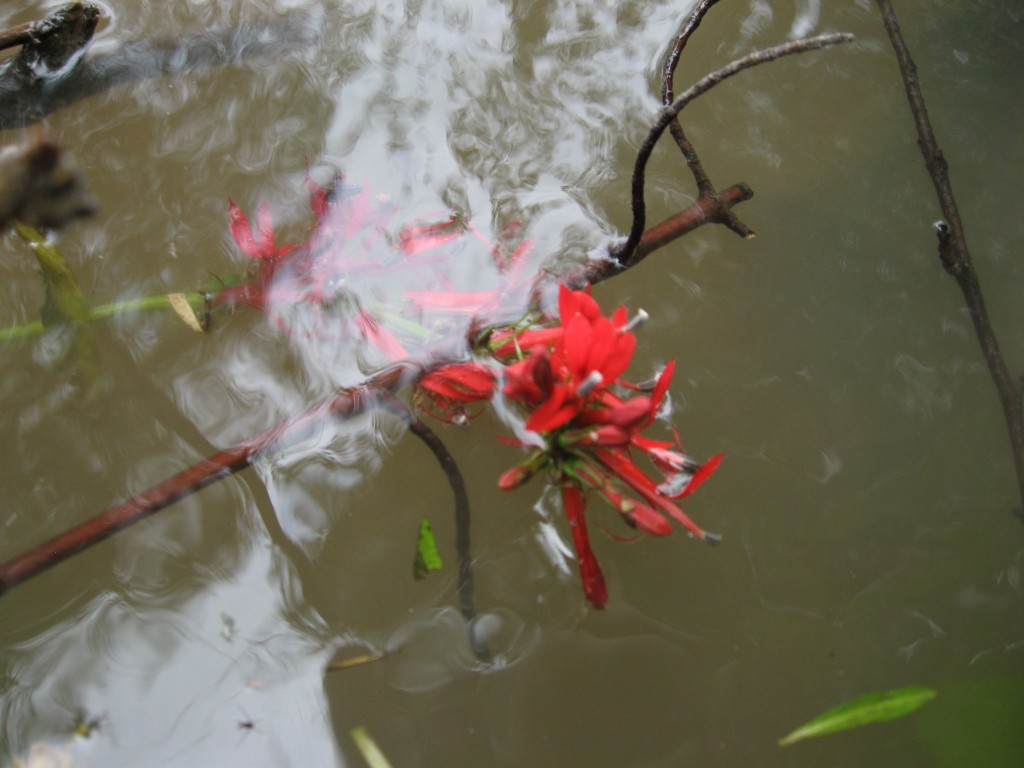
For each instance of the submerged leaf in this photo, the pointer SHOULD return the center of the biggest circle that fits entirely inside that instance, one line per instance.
(427, 557)
(369, 749)
(65, 302)
(870, 708)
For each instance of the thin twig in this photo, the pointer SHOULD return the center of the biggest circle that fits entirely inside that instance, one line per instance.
(703, 210)
(346, 403)
(349, 402)
(467, 604)
(952, 242)
(626, 254)
(19, 35)
(704, 185)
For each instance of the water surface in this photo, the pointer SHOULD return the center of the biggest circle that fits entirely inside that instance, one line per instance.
(867, 491)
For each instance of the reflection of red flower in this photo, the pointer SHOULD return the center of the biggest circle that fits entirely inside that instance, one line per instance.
(448, 389)
(590, 434)
(261, 245)
(347, 249)
(564, 379)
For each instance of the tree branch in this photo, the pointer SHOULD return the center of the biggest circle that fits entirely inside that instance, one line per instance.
(386, 383)
(626, 253)
(467, 604)
(952, 245)
(346, 403)
(704, 185)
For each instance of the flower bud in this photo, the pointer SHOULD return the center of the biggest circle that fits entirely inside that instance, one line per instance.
(631, 413)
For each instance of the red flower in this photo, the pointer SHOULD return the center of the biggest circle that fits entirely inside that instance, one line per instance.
(449, 388)
(261, 246)
(563, 379)
(590, 571)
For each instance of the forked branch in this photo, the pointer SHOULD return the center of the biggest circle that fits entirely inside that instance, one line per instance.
(384, 385)
(627, 254)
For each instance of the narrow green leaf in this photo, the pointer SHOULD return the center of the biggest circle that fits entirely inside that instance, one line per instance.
(65, 303)
(870, 708)
(371, 752)
(427, 557)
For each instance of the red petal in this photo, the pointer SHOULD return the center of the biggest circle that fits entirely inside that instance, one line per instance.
(444, 301)
(553, 413)
(576, 345)
(527, 340)
(241, 232)
(702, 474)
(661, 387)
(463, 382)
(602, 346)
(626, 470)
(568, 303)
(631, 413)
(619, 360)
(520, 473)
(607, 435)
(424, 238)
(384, 339)
(265, 231)
(590, 571)
(317, 198)
(648, 520)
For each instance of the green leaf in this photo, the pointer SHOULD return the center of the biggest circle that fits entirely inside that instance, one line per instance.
(870, 708)
(427, 557)
(65, 302)
(368, 747)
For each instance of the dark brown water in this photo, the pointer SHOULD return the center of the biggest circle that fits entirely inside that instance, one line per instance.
(867, 490)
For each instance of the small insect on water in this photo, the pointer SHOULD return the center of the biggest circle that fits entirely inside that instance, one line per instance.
(247, 725)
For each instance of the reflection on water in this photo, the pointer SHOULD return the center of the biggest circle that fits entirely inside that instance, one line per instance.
(866, 493)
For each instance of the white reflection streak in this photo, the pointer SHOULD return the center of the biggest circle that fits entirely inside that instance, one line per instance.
(755, 577)
(833, 465)
(558, 553)
(806, 19)
(935, 632)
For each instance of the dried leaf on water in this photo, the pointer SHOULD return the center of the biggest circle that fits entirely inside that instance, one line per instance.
(183, 309)
(369, 749)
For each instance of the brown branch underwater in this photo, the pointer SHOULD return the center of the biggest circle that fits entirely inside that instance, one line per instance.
(463, 549)
(712, 207)
(952, 245)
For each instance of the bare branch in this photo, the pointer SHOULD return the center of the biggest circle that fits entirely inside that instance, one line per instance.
(952, 244)
(347, 402)
(451, 469)
(625, 254)
(705, 188)
(704, 185)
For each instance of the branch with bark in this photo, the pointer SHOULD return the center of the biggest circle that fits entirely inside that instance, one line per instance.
(380, 389)
(952, 247)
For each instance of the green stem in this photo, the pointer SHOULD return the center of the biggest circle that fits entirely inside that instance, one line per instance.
(104, 312)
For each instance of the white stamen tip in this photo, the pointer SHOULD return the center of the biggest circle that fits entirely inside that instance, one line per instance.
(593, 381)
(636, 322)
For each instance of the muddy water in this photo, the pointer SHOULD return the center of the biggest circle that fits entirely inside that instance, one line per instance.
(867, 491)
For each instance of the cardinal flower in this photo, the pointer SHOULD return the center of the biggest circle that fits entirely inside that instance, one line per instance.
(565, 380)
(445, 392)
